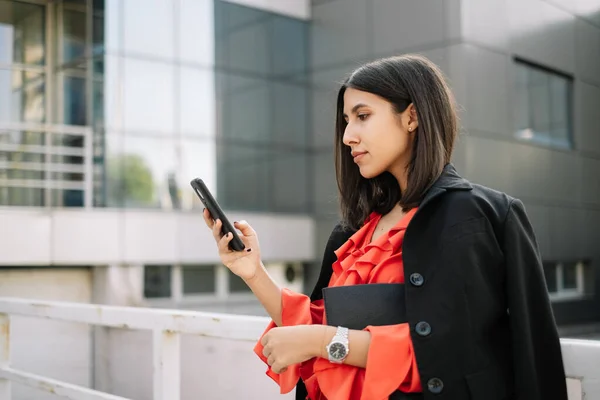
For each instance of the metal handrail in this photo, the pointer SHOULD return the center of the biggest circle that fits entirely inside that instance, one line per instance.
(49, 149)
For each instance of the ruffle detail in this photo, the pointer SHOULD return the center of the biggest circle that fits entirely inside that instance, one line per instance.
(358, 260)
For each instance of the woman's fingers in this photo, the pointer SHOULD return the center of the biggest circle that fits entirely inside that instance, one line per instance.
(223, 243)
(207, 218)
(216, 230)
(245, 228)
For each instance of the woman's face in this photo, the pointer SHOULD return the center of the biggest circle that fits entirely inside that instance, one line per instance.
(379, 139)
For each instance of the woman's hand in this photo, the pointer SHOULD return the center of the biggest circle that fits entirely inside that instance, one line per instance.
(245, 263)
(289, 345)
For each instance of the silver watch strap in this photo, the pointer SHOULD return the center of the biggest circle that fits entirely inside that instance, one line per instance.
(341, 334)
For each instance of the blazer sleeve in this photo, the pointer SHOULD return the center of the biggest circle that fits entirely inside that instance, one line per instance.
(536, 352)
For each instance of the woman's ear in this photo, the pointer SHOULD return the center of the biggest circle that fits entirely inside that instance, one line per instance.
(413, 121)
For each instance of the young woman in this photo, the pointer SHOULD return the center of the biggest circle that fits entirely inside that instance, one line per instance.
(479, 324)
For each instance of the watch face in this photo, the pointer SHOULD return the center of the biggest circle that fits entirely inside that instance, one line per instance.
(337, 351)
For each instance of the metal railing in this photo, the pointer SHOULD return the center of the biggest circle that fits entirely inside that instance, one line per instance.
(582, 357)
(48, 157)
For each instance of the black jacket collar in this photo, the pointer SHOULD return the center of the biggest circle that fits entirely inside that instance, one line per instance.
(448, 180)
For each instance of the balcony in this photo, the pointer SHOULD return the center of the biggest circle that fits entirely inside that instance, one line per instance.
(46, 164)
(228, 370)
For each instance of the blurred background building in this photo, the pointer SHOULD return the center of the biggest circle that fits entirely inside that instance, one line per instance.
(108, 108)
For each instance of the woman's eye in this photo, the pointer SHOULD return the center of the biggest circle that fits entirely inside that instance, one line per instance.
(363, 117)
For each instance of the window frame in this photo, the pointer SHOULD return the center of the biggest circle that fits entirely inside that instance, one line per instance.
(520, 135)
(562, 294)
(179, 298)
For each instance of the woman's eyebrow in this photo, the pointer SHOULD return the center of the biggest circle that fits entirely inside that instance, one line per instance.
(355, 108)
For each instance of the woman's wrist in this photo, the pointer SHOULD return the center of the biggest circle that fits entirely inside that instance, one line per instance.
(322, 338)
(258, 274)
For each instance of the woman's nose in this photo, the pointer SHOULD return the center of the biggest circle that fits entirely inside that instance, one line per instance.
(350, 138)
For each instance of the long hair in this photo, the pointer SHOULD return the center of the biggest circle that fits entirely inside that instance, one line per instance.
(400, 80)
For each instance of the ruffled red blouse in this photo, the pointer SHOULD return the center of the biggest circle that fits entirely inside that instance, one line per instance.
(391, 363)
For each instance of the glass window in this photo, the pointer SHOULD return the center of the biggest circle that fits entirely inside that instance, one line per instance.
(157, 281)
(243, 178)
(199, 279)
(286, 34)
(67, 197)
(245, 111)
(290, 119)
(21, 197)
(108, 73)
(22, 33)
(149, 32)
(197, 103)
(74, 34)
(74, 100)
(107, 24)
(289, 189)
(262, 179)
(198, 160)
(230, 21)
(251, 40)
(569, 271)
(22, 96)
(196, 32)
(237, 284)
(98, 106)
(149, 96)
(112, 160)
(149, 172)
(543, 106)
(248, 47)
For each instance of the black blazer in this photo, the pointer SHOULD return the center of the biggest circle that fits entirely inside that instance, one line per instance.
(481, 322)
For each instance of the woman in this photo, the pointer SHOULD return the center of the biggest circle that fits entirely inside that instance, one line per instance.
(479, 321)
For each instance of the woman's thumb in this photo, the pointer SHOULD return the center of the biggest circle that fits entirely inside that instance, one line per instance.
(245, 228)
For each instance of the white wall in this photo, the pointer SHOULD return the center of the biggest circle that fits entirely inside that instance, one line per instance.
(55, 349)
(106, 236)
(292, 8)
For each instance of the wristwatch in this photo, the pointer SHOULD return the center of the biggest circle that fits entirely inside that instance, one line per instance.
(337, 349)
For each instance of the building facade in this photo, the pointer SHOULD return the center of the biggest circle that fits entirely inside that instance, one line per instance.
(109, 112)
(526, 75)
(108, 108)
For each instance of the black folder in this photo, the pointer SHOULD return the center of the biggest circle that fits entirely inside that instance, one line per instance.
(358, 306)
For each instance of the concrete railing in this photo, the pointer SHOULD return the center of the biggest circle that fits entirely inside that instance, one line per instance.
(165, 325)
(582, 357)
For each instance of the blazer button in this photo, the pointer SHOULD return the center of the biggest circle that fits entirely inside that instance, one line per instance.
(435, 385)
(416, 279)
(423, 328)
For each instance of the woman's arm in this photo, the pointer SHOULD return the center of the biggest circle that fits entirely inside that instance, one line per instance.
(247, 264)
(358, 343)
(267, 292)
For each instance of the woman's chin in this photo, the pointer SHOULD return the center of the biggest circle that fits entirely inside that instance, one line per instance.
(368, 173)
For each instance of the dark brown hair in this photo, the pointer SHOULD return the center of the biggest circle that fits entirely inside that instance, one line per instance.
(400, 80)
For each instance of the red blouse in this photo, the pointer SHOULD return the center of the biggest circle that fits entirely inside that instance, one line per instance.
(391, 363)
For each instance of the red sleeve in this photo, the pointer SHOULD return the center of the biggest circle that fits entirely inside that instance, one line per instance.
(391, 365)
(296, 309)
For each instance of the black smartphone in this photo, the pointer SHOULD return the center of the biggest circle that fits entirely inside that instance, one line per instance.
(216, 212)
